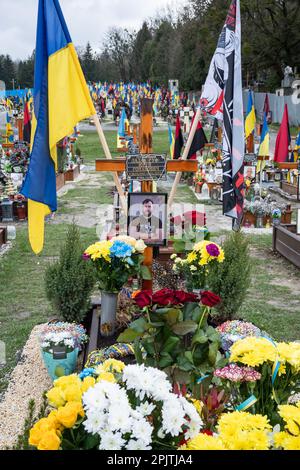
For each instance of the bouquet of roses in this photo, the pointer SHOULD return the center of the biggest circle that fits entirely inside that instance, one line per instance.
(116, 261)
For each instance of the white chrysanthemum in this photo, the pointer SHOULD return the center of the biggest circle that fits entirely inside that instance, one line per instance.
(146, 408)
(94, 423)
(137, 445)
(119, 420)
(141, 429)
(173, 417)
(111, 441)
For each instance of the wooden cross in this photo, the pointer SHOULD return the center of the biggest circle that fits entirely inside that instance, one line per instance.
(118, 166)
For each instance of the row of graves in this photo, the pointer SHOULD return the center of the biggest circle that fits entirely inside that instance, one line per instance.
(14, 162)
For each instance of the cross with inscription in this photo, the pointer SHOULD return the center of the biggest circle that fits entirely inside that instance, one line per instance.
(146, 147)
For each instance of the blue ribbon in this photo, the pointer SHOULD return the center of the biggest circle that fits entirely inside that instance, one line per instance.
(199, 381)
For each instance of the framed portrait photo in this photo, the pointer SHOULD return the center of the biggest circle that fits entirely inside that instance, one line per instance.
(147, 218)
(250, 172)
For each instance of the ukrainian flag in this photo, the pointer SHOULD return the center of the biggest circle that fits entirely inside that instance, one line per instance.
(171, 141)
(61, 100)
(264, 148)
(297, 148)
(250, 116)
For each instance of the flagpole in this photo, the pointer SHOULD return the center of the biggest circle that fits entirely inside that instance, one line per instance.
(184, 156)
(109, 157)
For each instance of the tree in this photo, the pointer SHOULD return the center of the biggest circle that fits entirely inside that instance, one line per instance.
(118, 44)
(138, 66)
(25, 72)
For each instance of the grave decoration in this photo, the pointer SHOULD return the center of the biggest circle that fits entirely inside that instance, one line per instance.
(115, 261)
(264, 210)
(60, 345)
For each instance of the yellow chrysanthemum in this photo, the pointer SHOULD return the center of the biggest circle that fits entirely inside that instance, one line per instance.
(192, 256)
(253, 351)
(291, 415)
(285, 441)
(290, 353)
(204, 442)
(100, 250)
(243, 431)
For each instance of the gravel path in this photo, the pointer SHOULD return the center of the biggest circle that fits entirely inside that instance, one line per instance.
(29, 380)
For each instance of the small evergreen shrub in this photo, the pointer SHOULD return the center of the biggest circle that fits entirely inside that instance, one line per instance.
(70, 281)
(231, 279)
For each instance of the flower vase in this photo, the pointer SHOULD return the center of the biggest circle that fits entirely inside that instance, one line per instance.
(109, 304)
(60, 362)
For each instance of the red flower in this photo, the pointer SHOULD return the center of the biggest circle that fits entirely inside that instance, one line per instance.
(210, 299)
(182, 297)
(164, 297)
(143, 298)
(207, 432)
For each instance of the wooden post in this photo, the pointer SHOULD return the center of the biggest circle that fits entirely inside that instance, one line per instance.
(250, 143)
(20, 122)
(146, 143)
(184, 156)
(109, 157)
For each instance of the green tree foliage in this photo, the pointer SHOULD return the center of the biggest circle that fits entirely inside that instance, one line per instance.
(70, 280)
(231, 279)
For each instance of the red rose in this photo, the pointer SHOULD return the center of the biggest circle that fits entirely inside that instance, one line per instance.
(182, 297)
(207, 432)
(196, 218)
(164, 297)
(143, 298)
(209, 299)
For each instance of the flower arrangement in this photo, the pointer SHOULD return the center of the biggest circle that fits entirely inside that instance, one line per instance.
(278, 366)
(276, 213)
(195, 267)
(173, 334)
(116, 261)
(62, 334)
(232, 331)
(116, 407)
(235, 431)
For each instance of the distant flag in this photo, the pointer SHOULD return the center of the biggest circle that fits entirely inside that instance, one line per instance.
(266, 109)
(199, 141)
(171, 141)
(27, 123)
(214, 132)
(283, 140)
(121, 130)
(222, 98)
(297, 143)
(61, 99)
(178, 144)
(9, 129)
(250, 116)
(264, 147)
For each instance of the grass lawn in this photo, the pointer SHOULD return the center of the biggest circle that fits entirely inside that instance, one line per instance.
(23, 302)
(92, 149)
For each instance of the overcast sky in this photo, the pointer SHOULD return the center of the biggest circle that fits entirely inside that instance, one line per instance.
(86, 19)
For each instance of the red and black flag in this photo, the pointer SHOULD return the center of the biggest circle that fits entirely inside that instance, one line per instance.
(178, 139)
(199, 141)
(27, 124)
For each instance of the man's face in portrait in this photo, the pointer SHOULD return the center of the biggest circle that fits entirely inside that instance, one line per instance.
(147, 208)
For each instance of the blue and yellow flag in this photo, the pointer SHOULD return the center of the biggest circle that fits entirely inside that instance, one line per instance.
(250, 116)
(61, 100)
(264, 147)
(121, 140)
(171, 141)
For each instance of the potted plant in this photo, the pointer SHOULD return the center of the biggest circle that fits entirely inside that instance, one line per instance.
(115, 261)
(60, 345)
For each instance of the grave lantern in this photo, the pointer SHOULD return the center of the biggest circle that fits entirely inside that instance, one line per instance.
(7, 210)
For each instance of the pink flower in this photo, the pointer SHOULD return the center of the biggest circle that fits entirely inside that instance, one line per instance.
(234, 373)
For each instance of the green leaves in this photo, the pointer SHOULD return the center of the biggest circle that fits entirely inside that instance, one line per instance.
(170, 344)
(184, 327)
(145, 273)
